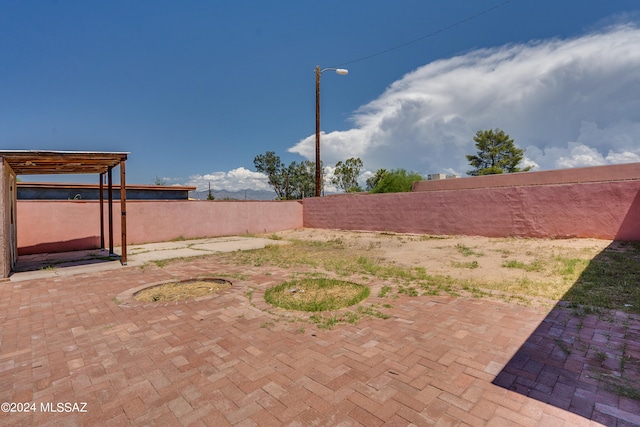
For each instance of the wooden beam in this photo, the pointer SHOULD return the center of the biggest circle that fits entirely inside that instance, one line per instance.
(36, 162)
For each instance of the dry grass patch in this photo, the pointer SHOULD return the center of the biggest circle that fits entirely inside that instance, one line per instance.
(180, 291)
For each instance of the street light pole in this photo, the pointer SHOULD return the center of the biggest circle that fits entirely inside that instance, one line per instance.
(319, 72)
(318, 172)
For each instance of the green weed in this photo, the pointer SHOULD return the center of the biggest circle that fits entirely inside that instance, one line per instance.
(408, 290)
(467, 251)
(536, 265)
(372, 312)
(384, 291)
(472, 264)
(563, 346)
(324, 322)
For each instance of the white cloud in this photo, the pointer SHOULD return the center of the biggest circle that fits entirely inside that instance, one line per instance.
(234, 180)
(613, 143)
(569, 102)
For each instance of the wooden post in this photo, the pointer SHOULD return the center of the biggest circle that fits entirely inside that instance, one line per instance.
(110, 198)
(102, 211)
(123, 209)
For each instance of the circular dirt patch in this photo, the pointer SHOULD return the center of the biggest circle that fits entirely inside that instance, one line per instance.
(316, 294)
(181, 290)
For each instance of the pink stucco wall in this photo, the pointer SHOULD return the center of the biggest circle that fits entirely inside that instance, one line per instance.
(607, 210)
(54, 225)
(535, 204)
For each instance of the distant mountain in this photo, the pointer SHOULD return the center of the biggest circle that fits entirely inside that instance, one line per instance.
(234, 195)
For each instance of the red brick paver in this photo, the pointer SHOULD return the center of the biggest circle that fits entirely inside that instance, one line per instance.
(232, 360)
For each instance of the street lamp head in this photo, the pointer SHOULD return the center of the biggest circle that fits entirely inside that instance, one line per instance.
(341, 71)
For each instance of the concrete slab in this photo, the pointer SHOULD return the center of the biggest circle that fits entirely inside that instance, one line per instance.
(45, 265)
(176, 244)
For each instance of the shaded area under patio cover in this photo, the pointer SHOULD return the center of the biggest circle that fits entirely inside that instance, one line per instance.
(42, 162)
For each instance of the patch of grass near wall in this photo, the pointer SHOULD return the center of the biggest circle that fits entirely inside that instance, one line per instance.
(467, 251)
(611, 280)
(571, 268)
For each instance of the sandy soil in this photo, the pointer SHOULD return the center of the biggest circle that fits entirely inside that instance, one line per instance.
(455, 255)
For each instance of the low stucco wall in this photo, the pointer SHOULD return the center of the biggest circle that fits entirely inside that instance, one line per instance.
(535, 204)
(606, 210)
(58, 226)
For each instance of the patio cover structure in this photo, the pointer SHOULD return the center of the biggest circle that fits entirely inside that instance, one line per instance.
(34, 162)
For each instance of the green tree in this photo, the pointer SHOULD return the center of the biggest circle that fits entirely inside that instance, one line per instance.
(374, 180)
(159, 181)
(271, 165)
(346, 175)
(396, 181)
(302, 179)
(496, 154)
(295, 181)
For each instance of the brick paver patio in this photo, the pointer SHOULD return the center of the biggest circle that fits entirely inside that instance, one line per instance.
(231, 360)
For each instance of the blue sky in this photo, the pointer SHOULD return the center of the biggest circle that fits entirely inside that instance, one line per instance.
(194, 90)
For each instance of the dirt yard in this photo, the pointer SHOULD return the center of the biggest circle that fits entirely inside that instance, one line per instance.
(463, 257)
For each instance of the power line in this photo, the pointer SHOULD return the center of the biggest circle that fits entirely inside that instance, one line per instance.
(426, 36)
